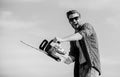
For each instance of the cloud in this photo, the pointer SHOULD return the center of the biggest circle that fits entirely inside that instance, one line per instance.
(90, 4)
(14, 24)
(109, 61)
(12, 1)
(110, 67)
(5, 14)
(9, 21)
(114, 20)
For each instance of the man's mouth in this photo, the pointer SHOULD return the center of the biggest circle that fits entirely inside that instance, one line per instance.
(75, 25)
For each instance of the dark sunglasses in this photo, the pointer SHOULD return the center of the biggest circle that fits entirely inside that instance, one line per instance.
(71, 19)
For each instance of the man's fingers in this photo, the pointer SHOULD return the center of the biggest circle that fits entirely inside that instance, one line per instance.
(55, 40)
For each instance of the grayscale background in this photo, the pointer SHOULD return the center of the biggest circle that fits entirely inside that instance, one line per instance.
(34, 20)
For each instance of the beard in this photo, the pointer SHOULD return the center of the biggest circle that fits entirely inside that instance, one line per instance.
(75, 25)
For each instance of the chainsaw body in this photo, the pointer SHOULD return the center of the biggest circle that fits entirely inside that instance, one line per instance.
(52, 49)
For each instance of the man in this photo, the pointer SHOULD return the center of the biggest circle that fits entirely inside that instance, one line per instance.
(83, 47)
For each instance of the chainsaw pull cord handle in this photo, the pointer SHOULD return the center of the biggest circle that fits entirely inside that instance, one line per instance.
(43, 44)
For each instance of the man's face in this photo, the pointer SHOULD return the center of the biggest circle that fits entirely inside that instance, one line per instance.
(74, 20)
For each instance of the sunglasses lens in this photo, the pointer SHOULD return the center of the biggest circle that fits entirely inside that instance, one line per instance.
(76, 18)
(71, 19)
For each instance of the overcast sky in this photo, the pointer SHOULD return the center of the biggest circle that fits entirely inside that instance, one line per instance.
(35, 20)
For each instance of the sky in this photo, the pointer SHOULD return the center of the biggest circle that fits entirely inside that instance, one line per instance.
(35, 20)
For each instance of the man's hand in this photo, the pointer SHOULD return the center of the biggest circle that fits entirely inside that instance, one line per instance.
(58, 40)
(58, 48)
(68, 60)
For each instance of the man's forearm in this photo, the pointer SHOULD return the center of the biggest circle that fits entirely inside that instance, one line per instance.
(72, 37)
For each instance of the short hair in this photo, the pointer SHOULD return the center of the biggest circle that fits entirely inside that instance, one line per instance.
(72, 12)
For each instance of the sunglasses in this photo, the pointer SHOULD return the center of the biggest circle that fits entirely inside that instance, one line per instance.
(71, 19)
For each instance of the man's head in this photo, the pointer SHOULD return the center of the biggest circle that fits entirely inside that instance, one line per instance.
(73, 17)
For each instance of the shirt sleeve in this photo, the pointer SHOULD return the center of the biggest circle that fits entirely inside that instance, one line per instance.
(87, 30)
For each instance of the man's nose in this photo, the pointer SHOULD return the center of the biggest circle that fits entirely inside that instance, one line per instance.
(74, 20)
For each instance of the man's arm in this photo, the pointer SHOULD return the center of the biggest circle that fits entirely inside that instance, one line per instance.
(73, 37)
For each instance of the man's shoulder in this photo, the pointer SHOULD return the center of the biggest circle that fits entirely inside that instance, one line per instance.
(87, 25)
(88, 28)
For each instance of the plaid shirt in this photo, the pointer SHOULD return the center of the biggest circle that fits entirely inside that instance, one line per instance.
(88, 45)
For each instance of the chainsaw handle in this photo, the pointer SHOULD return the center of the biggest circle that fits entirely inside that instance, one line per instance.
(43, 44)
